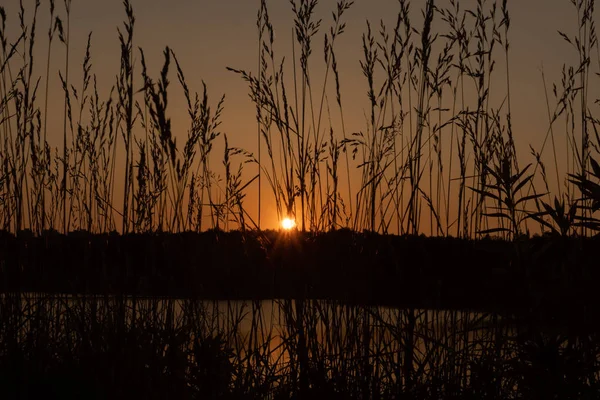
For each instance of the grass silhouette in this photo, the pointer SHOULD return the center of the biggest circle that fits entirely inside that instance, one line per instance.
(146, 295)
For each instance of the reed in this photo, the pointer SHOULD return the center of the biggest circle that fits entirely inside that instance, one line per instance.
(435, 156)
(118, 347)
(433, 129)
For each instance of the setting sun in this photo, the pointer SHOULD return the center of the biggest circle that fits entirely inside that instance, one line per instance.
(288, 224)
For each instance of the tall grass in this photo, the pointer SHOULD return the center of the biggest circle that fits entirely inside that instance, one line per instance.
(76, 189)
(436, 155)
(439, 119)
(109, 347)
(431, 106)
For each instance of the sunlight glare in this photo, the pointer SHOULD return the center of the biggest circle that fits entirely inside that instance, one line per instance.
(288, 224)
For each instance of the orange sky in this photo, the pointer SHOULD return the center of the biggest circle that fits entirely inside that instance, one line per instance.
(210, 35)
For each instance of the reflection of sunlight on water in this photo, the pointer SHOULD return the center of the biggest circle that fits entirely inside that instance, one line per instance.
(269, 330)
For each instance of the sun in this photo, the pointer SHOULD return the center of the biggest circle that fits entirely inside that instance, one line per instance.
(288, 224)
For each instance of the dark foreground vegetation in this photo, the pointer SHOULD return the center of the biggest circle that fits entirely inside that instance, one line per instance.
(119, 348)
(359, 316)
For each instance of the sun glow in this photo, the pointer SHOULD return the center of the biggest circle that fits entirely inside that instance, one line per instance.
(288, 224)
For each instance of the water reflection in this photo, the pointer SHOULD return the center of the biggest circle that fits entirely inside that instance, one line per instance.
(287, 341)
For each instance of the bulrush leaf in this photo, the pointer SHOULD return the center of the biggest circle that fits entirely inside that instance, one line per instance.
(595, 168)
(530, 197)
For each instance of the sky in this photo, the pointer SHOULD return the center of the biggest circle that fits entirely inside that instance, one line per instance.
(210, 35)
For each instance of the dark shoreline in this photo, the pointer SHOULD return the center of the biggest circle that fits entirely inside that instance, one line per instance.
(537, 276)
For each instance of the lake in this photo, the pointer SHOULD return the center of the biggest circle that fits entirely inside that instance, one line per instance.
(305, 343)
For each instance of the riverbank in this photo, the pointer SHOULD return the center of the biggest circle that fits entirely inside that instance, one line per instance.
(539, 275)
